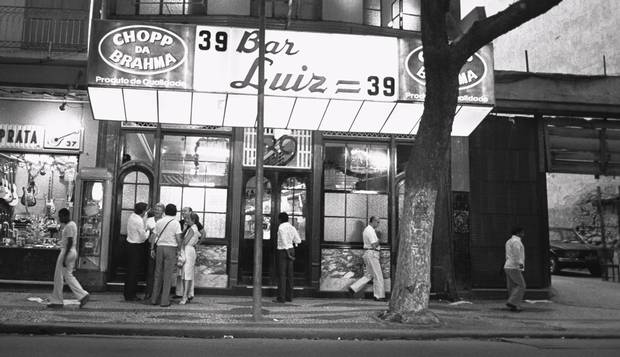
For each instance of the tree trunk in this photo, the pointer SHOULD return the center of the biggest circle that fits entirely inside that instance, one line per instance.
(428, 162)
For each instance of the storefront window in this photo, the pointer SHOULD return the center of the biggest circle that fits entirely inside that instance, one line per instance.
(249, 209)
(356, 188)
(293, 202)
(194, 173)
(403, 151)
(33, 187)
(139, 147)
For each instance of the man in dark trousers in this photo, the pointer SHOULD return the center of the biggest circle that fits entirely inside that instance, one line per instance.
(136, 236)
(288, 239)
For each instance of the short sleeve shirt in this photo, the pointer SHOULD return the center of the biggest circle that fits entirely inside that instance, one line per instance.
(167, 238)
(370, 237)
(69, 231)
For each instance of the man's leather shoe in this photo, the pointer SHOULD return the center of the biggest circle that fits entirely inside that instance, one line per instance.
(135, 298)
(289, 299)
(84, 300)
(55, 306)
(278, 301)
(381, 299)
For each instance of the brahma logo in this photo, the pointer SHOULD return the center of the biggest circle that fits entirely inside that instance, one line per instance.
(472, 73)
(143, 50)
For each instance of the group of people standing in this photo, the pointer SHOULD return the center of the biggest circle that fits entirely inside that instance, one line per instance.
(171, 248)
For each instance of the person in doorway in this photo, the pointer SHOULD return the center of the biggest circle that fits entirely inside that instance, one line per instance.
(154, 215)
(167, 240)
(514, 267)
(185, 225)
(65, 264)
(372, 266)
(288, 239)
(189, 252)
(136, 236)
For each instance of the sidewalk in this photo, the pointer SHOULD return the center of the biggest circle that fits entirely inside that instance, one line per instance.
(231, 317)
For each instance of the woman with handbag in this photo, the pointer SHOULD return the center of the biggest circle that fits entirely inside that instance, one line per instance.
(188, 254)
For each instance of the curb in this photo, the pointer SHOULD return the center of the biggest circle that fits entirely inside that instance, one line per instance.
(285, 332)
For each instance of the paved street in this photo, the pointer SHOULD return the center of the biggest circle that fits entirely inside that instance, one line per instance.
(17, 346)
(582, 307)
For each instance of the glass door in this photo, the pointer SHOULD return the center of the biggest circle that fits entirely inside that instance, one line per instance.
(283, 192)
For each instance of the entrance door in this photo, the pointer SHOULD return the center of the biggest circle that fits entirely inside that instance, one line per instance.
(136, 185)
(283, 192)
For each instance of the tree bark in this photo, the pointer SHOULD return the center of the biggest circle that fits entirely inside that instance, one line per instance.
(429, 162)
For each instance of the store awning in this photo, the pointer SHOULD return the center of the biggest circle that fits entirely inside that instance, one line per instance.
(207, 75)
(239, 110)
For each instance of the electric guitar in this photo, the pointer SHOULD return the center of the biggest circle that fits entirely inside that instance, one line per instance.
(5, 192)
(29, 197)
(50, 208)
(13, 187)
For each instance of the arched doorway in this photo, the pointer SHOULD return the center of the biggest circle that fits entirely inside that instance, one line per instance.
(135, 185)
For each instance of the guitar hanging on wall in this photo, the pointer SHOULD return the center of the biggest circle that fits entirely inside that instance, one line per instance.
(29, 197)
(5, 190)
(13, 187)
(50, 208)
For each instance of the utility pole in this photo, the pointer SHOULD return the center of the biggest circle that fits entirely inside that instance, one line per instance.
(260, 148)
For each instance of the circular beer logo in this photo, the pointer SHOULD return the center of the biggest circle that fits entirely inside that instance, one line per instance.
(143, 50)
(472, 73)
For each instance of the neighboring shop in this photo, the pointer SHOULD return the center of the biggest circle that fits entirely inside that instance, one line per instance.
(179, 107)
(41, 142)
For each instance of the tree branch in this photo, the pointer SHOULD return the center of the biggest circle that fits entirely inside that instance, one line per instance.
(484, 31)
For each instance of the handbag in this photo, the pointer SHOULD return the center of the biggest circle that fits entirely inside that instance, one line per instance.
(181, 258)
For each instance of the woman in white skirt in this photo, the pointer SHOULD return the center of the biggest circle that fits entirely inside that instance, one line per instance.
(192, 235)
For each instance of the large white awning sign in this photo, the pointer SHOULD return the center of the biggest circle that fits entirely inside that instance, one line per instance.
(297, 64)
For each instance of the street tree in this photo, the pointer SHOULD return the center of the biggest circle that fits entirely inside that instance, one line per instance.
(428, 168)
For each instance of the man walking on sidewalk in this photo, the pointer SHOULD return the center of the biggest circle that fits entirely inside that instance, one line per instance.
(514, 266)
(371, 262)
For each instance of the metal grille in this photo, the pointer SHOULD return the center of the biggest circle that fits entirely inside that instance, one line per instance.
(43, 28)
(303, 154)
(367, 135)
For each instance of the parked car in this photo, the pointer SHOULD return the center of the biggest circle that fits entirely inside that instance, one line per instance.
(569, 250)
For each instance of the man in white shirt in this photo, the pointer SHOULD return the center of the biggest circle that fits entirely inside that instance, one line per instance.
(136, 236)
(514, 266)
(288, 239)
(156, 214)
(168, 239)
(371, 262)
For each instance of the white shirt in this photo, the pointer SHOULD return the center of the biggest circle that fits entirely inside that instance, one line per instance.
(69, 231)
(150, 228)
(515, 253)
(168, 231)
(370, 237)
(135, 229)
(287, 235)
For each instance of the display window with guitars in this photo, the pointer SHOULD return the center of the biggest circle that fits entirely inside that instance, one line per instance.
(32, 188)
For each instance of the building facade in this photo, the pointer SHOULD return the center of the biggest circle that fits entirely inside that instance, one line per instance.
(329, 179)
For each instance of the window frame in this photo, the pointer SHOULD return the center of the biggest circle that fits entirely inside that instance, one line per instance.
(385, 217)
